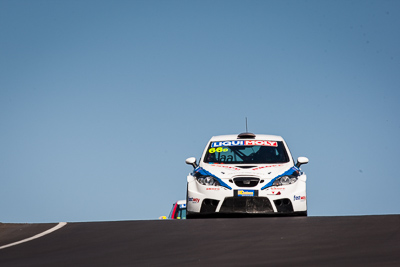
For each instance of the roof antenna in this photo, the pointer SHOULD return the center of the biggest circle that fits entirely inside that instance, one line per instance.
(246, 135)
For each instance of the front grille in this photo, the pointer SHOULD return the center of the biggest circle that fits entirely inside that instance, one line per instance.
(246, 205)
(246, 181)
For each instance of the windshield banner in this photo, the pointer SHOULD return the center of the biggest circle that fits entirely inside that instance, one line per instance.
(245, 143)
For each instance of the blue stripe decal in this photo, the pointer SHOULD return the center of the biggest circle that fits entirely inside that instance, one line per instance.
(204, 172)
(288, 172)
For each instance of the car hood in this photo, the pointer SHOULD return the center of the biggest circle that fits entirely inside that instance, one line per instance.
(263, 171)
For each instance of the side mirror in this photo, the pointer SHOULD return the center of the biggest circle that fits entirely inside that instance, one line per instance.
(301, 161)
(191, 161)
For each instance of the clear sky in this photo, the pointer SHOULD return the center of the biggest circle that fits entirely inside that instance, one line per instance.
(101, 102)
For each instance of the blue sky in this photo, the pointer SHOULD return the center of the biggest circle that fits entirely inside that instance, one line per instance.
(101, 102)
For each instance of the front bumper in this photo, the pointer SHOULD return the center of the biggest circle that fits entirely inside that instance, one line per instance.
(206, 200)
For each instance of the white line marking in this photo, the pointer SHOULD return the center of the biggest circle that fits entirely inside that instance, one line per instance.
(58, 226)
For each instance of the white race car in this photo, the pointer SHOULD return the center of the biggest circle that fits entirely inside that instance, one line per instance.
(246, 174)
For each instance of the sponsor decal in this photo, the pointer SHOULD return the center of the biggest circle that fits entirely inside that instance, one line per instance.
(226, 166)
(301, 198)
(212, 188)
(246, 193)
(182, 206)
(275, 191)
(269, 166)
(228, 143)
(277, 188)
(260, 143)
(194, 200)
(245, 143)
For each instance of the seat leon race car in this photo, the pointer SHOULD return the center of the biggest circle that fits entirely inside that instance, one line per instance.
(246, 174)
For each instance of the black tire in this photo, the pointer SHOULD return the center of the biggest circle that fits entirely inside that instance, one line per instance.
(302, 213)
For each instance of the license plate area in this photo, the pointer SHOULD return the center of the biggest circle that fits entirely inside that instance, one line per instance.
(245, 193)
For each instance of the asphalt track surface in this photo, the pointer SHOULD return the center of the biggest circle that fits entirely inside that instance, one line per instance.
(264, 241)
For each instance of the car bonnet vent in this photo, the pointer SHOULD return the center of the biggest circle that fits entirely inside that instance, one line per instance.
(246, 135)
(246, 167)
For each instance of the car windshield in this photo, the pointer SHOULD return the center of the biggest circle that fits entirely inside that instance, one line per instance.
(246, 152)
(180, 211)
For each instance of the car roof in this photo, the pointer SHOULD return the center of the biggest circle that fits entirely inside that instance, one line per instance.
(235, 137)
(179, 202)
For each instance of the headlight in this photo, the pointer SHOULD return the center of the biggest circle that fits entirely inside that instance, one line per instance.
(208, 180)
(285, 180)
